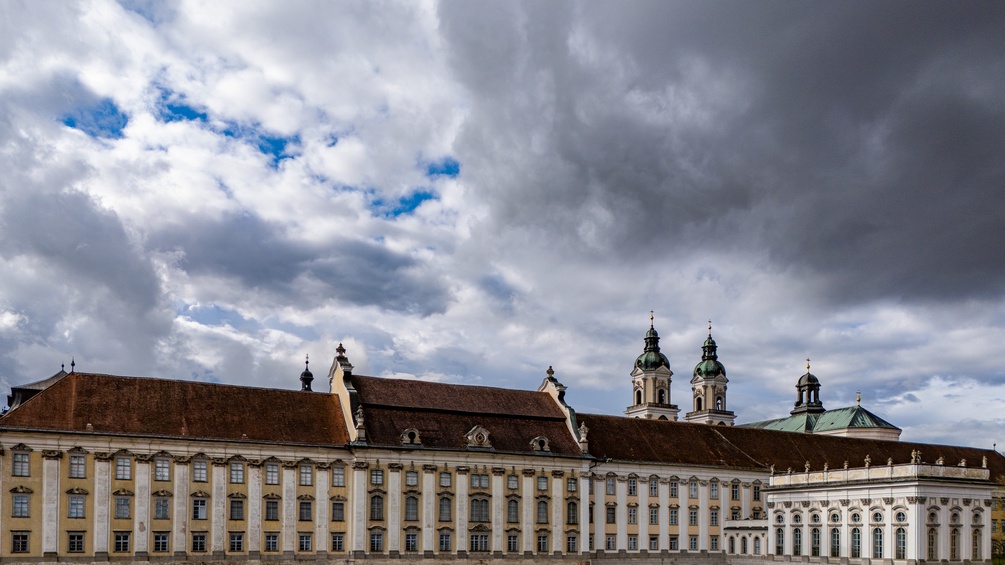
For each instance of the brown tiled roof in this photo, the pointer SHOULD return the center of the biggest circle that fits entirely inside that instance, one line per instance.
(660, 441)
(185, 409)
(444, 413)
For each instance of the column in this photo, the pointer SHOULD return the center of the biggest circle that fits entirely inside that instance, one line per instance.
(289, 530)
(50, 501)
(430, 504)
(394, 508)
(102, 490)
(498, 508)
(527, 520)
(357, 523)
(179, 518)
(254, 509)
(218, 511)
(557, 504)
(322, 522)
(585, 480)
(141, 533)
(621, 496)
(461, 517)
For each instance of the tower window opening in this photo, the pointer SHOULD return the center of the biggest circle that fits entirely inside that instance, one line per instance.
(662, 396)
(638, 397)
(697, 404)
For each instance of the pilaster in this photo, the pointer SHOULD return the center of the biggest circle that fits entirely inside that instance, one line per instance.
(50, 502)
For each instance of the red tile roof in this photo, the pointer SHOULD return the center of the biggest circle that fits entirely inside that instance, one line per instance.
(184, 409)
(444, 413)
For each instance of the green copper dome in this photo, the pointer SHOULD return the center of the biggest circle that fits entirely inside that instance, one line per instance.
(651, 359)
(709, 365)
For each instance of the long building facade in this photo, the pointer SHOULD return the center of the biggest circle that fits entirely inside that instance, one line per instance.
(98, 468)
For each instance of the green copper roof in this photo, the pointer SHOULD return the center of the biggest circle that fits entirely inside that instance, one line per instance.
(651, 358)
(852, 417)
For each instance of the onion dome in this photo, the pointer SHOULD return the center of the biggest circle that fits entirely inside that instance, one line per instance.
(709, 365)
(651, 358)
(307, 376)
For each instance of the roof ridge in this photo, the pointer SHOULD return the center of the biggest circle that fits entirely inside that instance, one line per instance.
(173, 380)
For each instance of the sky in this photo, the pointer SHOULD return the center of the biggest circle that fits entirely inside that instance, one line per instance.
(472, 192)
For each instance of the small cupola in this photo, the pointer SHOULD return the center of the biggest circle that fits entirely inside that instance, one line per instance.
(307, 377)
(651, 358)
(808, 390)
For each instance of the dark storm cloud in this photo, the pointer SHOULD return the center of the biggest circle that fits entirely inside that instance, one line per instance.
(860, 142)
(261, 256)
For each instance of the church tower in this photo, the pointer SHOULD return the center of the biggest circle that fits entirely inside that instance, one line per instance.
(651, 379)
(708, 386)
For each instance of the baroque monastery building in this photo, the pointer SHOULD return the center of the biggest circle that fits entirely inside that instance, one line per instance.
(98, 468)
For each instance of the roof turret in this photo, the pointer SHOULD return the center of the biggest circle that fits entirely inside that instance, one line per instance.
(709, 365)
(651, 358)
(307, 376)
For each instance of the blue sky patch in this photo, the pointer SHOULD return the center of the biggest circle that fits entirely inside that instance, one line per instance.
(213, 315)
(447, 167)
(276, 147)
(103, 120)
(405, 205)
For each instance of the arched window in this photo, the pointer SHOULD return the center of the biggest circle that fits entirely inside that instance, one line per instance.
(697, 404)
(954, 545)
(901, 535)
(479, 510)
(743, 546)
(411, 508)
(976, 556)
(933, 545)
(662, 395)
(512, 511)
(572, 513)
(542, 511)
(779, 541)
(757, 546)
(856, 543)
(445, 507)
(638, 397)
(815, 542)
(797, 542)
(376, 507)
(835, 542)
(877, 543)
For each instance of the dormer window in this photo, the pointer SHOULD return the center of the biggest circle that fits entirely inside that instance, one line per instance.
(478, 436)
(410, 437)
(540, 443)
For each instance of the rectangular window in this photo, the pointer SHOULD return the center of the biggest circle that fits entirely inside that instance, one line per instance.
(571, 484)
(734, 515)
(610, 485)
(713, 517)
(542, 543)
(123, 468)
(411, 478)
(306, 475)
(338, 542)
(512, 543)
(236, 472)
(272, 473)
(692, 517)
(633, 543)
(376, 542)
(306, 512)
(338, 476)
(338, 511)
(199, 542)
(571, 545)
(376, 476)
(713, 543)
(445, 480)
(713, 491)
(611, 543)
(78, 467)
(611, 517)
(542, 483)
(512, 511)
(236, 509)
(162, 469)
(76, 506)
(376, 508)
(591, 486)
(444, 541)
(161, 509)
(271, 509)
(479, 542)
(673, 489)
(512, 482)
(271, 542)
(121, 542)
(236, 542)
(122, 506)
(692, 489)
(673, 516)
(412, 542)
(633, 515)
(304, 542)
(412, 509)
(199, 471)
(22, 467)
(633, 487)
(654, 516)
(692, 543)
(482, 481)
(19, 542)
(734, 491)
(757, 492)
(160, 542)
(75, 542)
(654, 543)
(674, 543)
(654, 488)
(198, 508)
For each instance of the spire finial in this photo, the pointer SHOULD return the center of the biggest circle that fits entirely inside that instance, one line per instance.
(710, 328)
(807, 364)
(651, 318)
(858, 397)
(550, 372)
(73, 363)
(307, 361)
(340, 350)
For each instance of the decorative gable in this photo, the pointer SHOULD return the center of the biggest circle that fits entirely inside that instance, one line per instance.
(478, 437)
